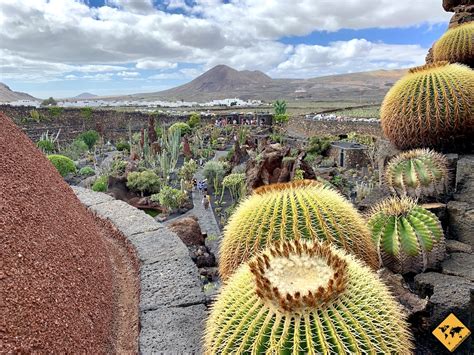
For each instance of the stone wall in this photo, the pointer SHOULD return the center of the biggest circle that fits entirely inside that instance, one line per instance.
(111, 123)
(308, 128)
(351, 157)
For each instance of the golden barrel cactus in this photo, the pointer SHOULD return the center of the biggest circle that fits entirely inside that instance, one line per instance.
(408, 237)
(302, 209)
(432, 106)
(456, 45)
(300, 297)
(418, 172)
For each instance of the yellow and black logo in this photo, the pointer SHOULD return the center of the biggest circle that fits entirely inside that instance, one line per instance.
(451, 332)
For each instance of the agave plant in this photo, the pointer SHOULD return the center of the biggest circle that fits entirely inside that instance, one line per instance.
(432, 106)
(300, 210)
(300, 297)
(408, 237)
(418, 172)
(456, 45)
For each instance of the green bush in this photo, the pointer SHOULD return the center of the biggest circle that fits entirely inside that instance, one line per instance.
(101, 184)
(75, 150)
(214, 172)
(170, 198)
(319, 145)
(194, 120)
(188, 170)
(87, 170)
(55, 111)
(122, 145)
(63, 164)
(89, 137)
(46, 146)
(144, 182)
(118, 167)
(182, 126)
(281, 118)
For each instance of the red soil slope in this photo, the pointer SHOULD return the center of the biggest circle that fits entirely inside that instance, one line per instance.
(55, 275)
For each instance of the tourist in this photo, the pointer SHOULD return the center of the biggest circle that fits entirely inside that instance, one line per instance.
(199, 186)
(206, 201)
(194, 184)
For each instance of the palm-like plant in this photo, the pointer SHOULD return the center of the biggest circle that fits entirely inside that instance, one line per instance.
(280, 107)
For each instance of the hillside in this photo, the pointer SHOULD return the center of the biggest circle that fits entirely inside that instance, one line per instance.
(85, 95)
(224, 82)
(8, 95)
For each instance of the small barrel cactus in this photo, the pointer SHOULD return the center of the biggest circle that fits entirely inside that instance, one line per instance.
(456, 45)
(432, 106)
(408, 237)
(63, 164)
(418, 172)
(302, 209)
(300, 297)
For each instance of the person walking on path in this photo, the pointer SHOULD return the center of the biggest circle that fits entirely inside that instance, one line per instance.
(206, 201)
(199, 186)
(194, 184)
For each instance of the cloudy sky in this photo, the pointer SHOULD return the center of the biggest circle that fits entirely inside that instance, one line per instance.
(61, 48)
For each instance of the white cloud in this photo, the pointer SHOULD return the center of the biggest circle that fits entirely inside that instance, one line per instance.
(155, 64)
(128, 74)
(46, 40)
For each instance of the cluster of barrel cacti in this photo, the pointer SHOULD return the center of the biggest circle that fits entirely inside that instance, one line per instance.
(298, 264)
(456, 45)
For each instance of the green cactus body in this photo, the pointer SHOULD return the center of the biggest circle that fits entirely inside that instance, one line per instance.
(408, 237)
(418, 172)
(300, 297)
(456, 45)
(302, 209)
(432, 106)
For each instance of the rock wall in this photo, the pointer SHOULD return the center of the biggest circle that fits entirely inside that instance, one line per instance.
(72, 121)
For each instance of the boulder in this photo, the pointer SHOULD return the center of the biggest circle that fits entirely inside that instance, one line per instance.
(462, 14)
(461, 222)
(188, 230)
(454, 246)
(459, 264)
(449, 5)
(464, 187)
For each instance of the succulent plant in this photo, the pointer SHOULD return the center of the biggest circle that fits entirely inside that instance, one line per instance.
(408, 237)
(456, 45)
(432, 106)
(418, 172)
(299, 297)
(302, 209)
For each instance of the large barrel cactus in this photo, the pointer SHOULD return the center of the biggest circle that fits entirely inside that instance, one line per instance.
(456, 45)
(418, 172)
(300, 297)
(408, 237)
(303, 209)
(432, 106)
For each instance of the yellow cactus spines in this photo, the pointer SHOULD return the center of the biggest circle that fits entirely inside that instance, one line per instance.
(300, 297)
(456, 45)
(432, 106)
(418, 172)
(408, 237)
(302, 209)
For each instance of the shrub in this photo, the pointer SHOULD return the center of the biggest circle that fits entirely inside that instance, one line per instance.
(55, 111)
(101, 184)
(280, 119)
(86, 113)
(63, 164)
(181, 126)
(188, 170)
(320, 145)
(122, 146)
(170, 198)
(194, 120)
(295, 210)
(214, 172)
(300, 297)
(89, 137)
(418, 172)
(456, 45)
(236, 185)
(35, 116)
(87, 170)
(75, 150)
(144, 182)
(408, 237)
(46, 146)
(432, 106)
(118, 167)
(49, 102)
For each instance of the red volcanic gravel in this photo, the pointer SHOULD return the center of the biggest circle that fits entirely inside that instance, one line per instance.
(56, 291)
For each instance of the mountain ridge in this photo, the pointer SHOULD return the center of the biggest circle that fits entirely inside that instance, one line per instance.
(8, 95)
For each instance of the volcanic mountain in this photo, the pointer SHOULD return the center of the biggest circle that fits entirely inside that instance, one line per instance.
(8, 95)
(223, 82)
(85, 95)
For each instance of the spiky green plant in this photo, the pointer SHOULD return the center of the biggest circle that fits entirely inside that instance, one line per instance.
(306, 298)
(431, 106)
(456, 45)
(302, 209)
(418, 172)
(408, 237)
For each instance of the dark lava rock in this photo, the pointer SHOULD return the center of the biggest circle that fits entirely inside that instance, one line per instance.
(449, 5)
(459, 264)
(188, 230)
(454, 246)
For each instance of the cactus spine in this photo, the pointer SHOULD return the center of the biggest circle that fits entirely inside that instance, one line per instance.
(302, 209)
(300, 297)
(431, 106)
(408, 237)
(418, 172)
(456, 45)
